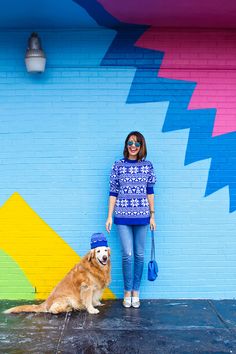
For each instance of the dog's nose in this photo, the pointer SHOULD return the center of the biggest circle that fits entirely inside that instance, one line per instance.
(104, 258)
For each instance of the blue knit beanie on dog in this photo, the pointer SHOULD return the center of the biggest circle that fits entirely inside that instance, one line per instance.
(98, 240)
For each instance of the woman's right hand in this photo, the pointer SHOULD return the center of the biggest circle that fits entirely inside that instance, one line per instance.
(109, 224)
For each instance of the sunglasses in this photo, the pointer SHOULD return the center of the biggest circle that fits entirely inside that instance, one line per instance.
(131, 143)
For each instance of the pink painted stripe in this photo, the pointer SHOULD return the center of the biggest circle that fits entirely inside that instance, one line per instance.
(207, 58)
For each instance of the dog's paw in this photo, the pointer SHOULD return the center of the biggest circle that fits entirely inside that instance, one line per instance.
(93, 311)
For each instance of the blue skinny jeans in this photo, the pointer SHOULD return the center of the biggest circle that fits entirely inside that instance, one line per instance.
(132, 238)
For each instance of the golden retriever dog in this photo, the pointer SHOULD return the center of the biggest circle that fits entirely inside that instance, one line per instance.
(80, 289)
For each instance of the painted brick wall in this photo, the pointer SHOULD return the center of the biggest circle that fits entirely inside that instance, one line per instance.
(61, 131)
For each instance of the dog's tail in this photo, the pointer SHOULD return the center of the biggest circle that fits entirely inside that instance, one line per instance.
(27, 308)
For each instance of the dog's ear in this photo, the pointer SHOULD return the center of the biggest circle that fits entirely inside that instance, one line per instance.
(91, 254)
(109, 251)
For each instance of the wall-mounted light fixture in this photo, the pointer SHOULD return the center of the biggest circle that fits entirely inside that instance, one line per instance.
(35, 59)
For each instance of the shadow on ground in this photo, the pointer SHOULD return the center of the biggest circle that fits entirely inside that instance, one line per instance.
(159, 326)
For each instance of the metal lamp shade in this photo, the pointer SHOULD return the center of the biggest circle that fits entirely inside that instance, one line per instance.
(35, 59)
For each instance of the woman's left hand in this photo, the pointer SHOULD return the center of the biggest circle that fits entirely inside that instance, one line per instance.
(152, 224)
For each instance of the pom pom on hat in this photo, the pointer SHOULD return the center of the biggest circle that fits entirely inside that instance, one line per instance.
(98, 240)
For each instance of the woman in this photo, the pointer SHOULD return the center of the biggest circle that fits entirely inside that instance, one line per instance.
(132, 200)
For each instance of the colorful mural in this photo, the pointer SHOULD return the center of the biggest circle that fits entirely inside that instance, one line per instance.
(196, 102)
(59, 161)
(61, 132)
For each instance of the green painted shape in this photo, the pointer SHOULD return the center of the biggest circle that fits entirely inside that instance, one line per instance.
(14, 284)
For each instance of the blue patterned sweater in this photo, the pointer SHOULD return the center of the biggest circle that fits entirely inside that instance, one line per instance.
(130, 182)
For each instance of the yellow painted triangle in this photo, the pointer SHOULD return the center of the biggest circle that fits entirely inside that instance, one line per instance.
(38, 250)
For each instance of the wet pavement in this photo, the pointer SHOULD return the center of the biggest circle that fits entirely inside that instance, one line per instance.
(159, 326)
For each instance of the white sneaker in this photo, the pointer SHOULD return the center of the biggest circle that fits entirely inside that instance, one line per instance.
(127, 301)
(135, 302)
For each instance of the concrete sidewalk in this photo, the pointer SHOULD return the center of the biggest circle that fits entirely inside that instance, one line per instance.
(159, 326)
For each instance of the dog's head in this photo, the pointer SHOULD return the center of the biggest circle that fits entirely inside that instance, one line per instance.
(100, 254)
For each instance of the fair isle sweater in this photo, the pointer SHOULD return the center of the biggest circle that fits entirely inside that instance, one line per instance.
(130, 182)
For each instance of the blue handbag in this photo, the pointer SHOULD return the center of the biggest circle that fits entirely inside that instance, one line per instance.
(152, 264)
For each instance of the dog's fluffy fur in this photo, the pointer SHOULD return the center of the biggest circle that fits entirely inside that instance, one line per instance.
(80, 289)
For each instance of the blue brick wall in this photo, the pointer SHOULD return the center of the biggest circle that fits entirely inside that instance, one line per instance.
(61, 131)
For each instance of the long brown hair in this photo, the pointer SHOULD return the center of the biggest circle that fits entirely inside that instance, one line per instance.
(143, 148)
